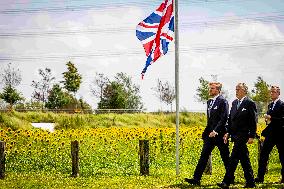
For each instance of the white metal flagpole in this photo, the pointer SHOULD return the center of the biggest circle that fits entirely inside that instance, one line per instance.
(177, 82)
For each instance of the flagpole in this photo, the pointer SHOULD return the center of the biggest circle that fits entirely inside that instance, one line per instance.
(177, 83)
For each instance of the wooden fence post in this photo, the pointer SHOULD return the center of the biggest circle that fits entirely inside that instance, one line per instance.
(208, 169)
(144, 157)
(2, 159)
(75, 158)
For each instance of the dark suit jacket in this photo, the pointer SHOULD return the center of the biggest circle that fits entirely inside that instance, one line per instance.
(276, 127)
(242, 121)
(218, 117)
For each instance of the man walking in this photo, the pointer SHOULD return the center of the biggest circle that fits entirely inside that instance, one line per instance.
(217, 115)
(273, 134)
(242, 129)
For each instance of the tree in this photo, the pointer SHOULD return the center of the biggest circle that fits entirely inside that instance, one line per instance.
(57, 98)
(84, 105)
(165, 92)
(10, 95)
(133, 98)
(114, 97)
(10, 79)
(60, 99)
(29, 105)
(99, 84)
(72, 79)
(121, 93)
(261, 94)
(43, 87)
(203, 91)
(11, 76)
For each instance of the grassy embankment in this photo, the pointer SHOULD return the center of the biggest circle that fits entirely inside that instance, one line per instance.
(16, 120)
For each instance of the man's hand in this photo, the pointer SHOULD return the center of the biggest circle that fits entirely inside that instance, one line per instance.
(250, 140)
(225, 138)
(267, 118)
(213, 134)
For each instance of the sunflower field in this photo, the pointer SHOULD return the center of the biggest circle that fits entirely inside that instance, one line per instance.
(109, 158)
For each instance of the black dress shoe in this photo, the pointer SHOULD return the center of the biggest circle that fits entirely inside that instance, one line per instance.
(223, 185)
(252, 185)
(192, 181)
(258, 180)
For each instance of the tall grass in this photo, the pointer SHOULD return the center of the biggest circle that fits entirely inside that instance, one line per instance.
(16, 120)
(9, 120)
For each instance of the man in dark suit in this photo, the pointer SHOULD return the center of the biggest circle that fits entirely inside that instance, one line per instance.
(217, 115)
(273, 133)
(242, 129)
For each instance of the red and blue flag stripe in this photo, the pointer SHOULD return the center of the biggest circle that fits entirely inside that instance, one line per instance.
(156, 32)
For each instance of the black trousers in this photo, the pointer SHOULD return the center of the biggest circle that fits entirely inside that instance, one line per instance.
(208, 145)
(268, 144)
(239, 153)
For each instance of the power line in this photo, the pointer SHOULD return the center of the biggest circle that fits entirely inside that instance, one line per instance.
(70, 32)
(235, 46)
(115, 2)
(253, 45)
(234, 21)
(147, 2)
(72, 8)
(98, 6)
(226, 22)
(263, 17)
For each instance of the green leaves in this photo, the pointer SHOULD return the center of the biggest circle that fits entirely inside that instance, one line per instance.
(72, 79)
(57, 98)
(261, 94)
(202, 94)
(120, 94)
(10, 78)
(11, 95)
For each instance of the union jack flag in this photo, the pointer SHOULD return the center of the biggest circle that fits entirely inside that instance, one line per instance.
(156, 32)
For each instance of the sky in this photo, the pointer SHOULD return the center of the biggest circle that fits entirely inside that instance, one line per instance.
(229, 40)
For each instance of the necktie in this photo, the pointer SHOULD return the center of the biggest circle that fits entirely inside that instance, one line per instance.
(273, 106)
(210, 106)
(238, 104)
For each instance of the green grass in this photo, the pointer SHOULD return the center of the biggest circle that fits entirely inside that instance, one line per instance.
(17, 120)
(43, 180)
(8, 120)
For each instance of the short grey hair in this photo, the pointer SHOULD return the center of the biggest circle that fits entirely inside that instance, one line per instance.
(243, 86)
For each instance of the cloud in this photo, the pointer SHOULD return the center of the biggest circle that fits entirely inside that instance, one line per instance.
(111, 46)
(236, 64)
